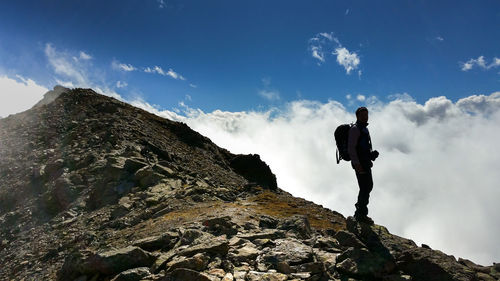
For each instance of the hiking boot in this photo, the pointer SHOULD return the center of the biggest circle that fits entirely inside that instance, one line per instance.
(364, 219)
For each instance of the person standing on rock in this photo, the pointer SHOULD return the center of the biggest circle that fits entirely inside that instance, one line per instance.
(359, 147)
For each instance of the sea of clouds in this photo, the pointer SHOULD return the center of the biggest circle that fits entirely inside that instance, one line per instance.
(436, 180)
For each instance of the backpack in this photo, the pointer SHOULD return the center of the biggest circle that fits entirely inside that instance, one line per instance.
(341, 136)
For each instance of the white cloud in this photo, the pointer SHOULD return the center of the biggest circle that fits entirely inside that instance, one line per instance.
(328, 36)
(480, 104)
(361, 98)
(439, 38)
(480, 62)
(324, 44)
(18, 94)
(85, 56)
(270, 94)
(161, 4)
(317, 53)
(158, 70)
(116, 65)
(348, 60)
(63, 65)
(193, 86)
(435, 181)
(121, 84)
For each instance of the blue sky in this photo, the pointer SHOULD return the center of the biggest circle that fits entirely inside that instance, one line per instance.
(240, 55)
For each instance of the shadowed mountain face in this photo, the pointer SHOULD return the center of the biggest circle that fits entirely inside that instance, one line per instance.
(94, 189)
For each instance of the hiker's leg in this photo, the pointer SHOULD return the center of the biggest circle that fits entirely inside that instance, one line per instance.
(365, 182)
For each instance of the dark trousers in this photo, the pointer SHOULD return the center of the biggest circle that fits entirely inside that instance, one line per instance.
(365, 182)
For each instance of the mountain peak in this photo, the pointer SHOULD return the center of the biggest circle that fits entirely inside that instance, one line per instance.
(92, 188)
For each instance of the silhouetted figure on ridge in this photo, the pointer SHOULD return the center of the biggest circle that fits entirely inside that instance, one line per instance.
(360, 151)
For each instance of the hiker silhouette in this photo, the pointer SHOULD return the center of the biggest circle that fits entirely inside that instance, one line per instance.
(359, 147)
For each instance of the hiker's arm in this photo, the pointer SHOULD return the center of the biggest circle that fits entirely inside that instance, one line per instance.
(352, 140)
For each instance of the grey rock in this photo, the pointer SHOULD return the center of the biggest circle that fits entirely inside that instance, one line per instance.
(348, 239)
(290, 250)
(184, 274)
(268, 222)
(247, 252)
(432, 265)
(312, 267)
(397, 277)
(274, 276)
(221, 225)
(116, 261)
(297, 224)
(198, 262)
(284, 267)
(133, 164)
(265, 234)
(213, 246)
(165, 242)
(134, 274)
(328, 244)
(361, 262)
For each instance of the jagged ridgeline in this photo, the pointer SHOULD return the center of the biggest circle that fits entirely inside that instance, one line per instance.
(92, 188)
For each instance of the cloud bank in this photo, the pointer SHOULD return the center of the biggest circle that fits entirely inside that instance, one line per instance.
(436, 180)
(18, 94)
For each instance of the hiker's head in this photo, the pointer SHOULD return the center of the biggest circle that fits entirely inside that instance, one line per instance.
(362, 114)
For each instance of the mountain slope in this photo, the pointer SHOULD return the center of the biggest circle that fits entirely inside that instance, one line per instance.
(93, 189)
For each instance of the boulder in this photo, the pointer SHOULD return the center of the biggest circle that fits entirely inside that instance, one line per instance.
(221, 225)
(265, 276)
(158, 242)
(297, 224)
(431, 265)
(362, 263)
(347, 239)
(248, 252)
(184, 274)
(289, 250)
(211, 246)
(268, 222)
(115, 261)
(134, 274)
(197, 262)
(264, 234)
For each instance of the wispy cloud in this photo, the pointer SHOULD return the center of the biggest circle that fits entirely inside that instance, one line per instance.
(121, 84)
(193, 86)
(116, 65)
(85, 56)
(63, 65)
(158, 70)
(270, 94)
(349, 60)
(480, 62)
(161, 4)
(324, 44)
(439, 38)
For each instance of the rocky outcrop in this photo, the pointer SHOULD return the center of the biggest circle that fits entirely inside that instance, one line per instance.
(95, 189)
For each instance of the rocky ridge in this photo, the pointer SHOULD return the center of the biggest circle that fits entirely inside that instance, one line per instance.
(94, 189)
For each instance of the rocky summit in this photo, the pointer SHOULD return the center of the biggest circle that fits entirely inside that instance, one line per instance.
(92, 188)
